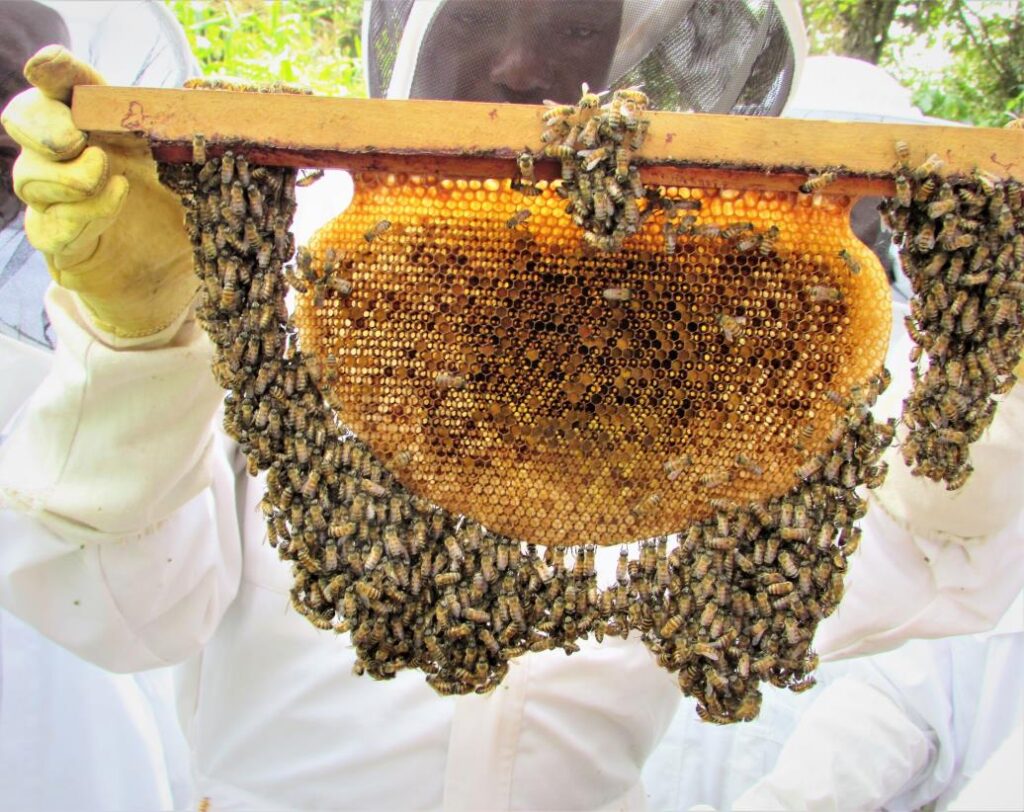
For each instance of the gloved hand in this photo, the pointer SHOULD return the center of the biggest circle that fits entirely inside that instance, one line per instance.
(108, 229)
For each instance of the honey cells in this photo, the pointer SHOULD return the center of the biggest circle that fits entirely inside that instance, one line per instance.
(554, 393)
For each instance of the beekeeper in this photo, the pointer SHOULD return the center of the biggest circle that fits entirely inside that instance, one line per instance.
(133, 536)
(62, 718)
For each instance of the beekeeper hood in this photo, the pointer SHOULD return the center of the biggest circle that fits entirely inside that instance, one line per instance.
(713, 56)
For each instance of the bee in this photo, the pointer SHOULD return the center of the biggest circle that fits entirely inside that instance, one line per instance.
(563, 152)
(208, 245)
(1002, 261)
(242, 171)
(943, 206)
(236, 199)
(593, 157)
(722, 543)
(373, 557)
(447, 579)
(229, 291)
(969, 316)
(715, 479)
(735, 230)
(368, 592)
(904, 191)
(925, 190)
(631, 215)
(762, 514)
(556, 112)
(815, 183)
(617, 294)
(701, 565)
(707, 230)
(639, 135)
(373, 233)
(622, 567)
(731, 327)
(671, 626)
(518, 218)
(449, 380)
(1005, 385)
(809, 468)
(932, 164)
(851, 264)
(614, 190)
(767, 244)
(199, 149)
(603, 207)
(589, 135)
(780, 589)
(524, 161)
(621, 164)
(309, 178)
(263, 254)
(825, 293)
(902, 153)
(633, 95)
(670, 237)
(675, 466)
(309, 487)
(372, 488)
(707, 651)
(227, 168)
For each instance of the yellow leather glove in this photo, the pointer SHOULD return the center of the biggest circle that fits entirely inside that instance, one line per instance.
(108, 229)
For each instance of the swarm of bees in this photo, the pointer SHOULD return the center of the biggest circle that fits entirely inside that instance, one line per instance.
(730, 602)
(961, 242)
(594, 144)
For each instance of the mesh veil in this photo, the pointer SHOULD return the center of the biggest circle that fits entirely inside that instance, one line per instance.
(714, 56)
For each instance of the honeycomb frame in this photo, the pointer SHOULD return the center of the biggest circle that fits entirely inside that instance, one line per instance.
(728, 604)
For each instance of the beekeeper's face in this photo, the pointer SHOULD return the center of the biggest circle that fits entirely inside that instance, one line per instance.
(519, 51)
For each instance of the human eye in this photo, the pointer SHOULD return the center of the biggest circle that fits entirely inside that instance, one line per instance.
(580, 32)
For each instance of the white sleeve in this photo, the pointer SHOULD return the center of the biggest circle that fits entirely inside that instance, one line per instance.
(902, 729)
(138, 42)
(854, 748)
(117, 500)
(933, 562)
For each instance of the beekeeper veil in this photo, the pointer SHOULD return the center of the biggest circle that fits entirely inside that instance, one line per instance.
(712, 56)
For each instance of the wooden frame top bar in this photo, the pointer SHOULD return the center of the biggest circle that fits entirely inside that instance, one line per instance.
(472, 139)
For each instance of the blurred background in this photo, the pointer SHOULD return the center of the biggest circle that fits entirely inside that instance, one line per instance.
(962, 59)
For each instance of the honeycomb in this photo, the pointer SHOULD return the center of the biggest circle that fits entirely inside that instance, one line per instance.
(563, 395)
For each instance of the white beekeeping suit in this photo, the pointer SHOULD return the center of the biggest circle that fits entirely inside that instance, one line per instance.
(162, 543)
(64, 722)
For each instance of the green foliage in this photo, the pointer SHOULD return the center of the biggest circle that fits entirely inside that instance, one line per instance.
(313, 43)
(983, 82)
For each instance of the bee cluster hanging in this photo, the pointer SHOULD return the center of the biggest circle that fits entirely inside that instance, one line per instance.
(694, 375)
(962, 247)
